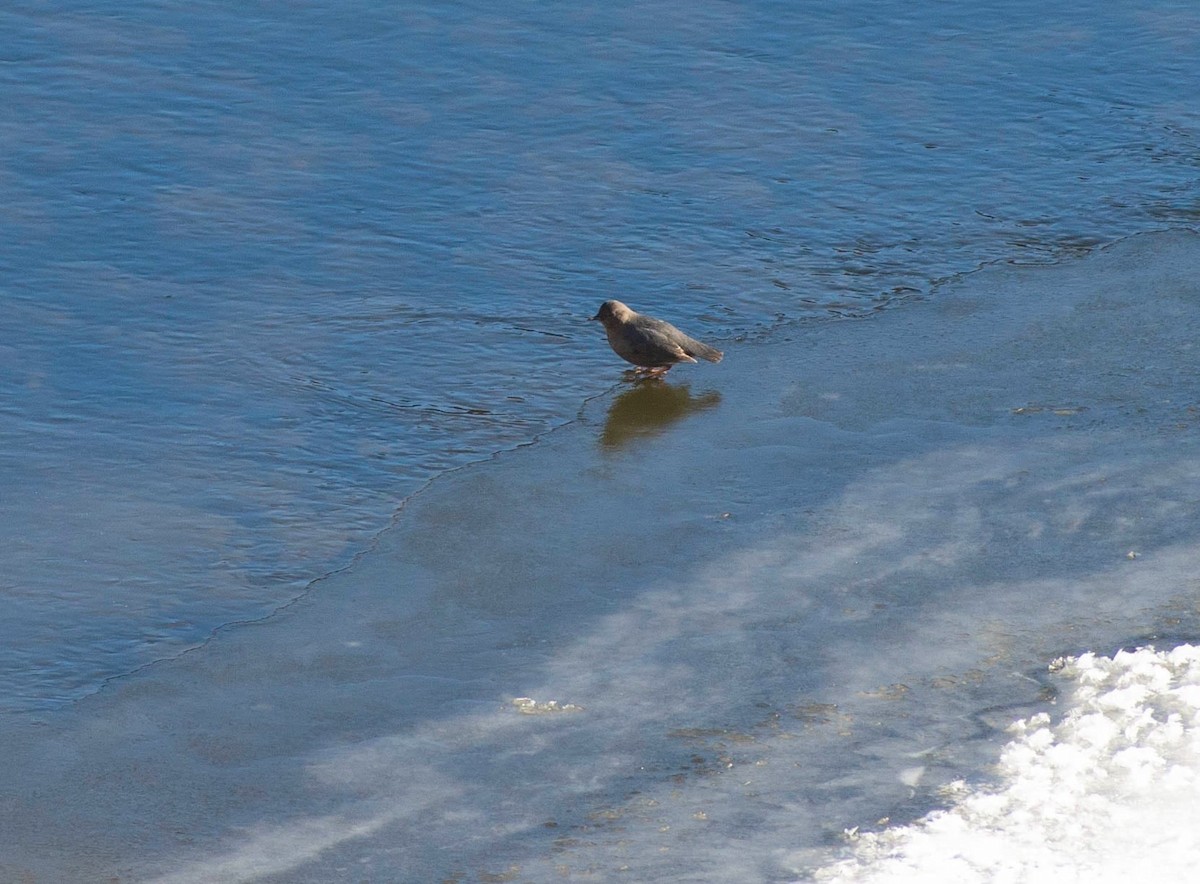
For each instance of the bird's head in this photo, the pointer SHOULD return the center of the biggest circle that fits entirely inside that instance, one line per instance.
(613, 311)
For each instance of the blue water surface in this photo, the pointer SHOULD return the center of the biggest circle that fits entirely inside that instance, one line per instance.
(265, 269)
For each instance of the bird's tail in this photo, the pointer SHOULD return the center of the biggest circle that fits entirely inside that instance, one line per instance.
(711, 354)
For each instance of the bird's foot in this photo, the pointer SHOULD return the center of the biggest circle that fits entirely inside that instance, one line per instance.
(640, 375)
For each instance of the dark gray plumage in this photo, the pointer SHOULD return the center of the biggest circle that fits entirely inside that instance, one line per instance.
(647, 342)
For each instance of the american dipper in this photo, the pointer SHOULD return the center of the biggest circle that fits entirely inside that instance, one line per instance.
(650, 344)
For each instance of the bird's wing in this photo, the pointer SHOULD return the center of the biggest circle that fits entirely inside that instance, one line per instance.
(669, 336)
(662, 337)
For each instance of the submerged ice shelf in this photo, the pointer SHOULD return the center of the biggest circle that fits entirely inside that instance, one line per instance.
(812, 598)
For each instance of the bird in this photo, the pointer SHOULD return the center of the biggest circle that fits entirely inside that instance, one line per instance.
(651, 344)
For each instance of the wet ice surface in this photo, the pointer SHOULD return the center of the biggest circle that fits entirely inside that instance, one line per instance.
(267, 269)
(688, 650)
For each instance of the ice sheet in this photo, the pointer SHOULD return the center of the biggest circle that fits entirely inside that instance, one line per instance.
(814, 596)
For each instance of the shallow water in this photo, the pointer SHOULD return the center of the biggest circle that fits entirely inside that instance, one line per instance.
(695, 649)
(267, 270)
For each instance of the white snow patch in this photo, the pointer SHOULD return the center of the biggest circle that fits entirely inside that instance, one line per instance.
(1109, 794)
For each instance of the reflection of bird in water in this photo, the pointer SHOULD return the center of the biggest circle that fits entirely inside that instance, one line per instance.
(649, 408)
(651, 344)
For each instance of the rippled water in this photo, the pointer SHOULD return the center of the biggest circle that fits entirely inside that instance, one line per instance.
(266, 269)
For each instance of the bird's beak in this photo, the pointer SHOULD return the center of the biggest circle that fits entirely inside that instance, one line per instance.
(593, 318)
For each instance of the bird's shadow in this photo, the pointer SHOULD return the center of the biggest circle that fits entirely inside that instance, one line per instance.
(649, 408)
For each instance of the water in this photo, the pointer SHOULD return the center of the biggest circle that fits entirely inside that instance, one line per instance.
(268, 269)
(809, 592)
